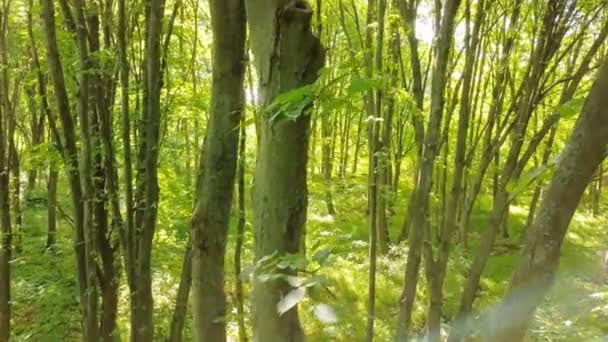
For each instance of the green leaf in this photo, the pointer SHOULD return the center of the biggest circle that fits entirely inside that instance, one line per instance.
(314, 280)
(361, 85)
(515, 187)
(571, 108)
(292, 104)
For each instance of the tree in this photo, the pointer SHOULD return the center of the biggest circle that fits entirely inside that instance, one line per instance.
(287, 56)
(70, 155)
(217, 170)
(419, 208)
(535, 272)
(6, 133)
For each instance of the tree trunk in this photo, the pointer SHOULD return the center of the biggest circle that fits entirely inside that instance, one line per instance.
(327, 165)
(52, 208)
(181, 302)
(596, 192)
(384, 110)
(218, 167)
(15, 198)
(145, 220)
(5, 159)
(419, 207)
(240, 306)
(105, 183)
(126, 234)
(287, 56)
(436, 273)
(538, 191)
(87, 139)
(535, 272)
(70, 152)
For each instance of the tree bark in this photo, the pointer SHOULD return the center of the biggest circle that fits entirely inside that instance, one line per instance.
(52, 208)
(287, 56)
(87, 136)
(181, 302)
(218, 167)
(240, 237)
(596, 192)
(5, 159)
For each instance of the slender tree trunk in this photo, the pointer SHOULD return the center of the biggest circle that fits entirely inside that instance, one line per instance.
(436, 273)
(5, 158)
(541, 55)
(218, 167)
(126, 233)
(535, 272)
(52, 208)
(240, 306)
(373, 109)
(70, 154)
(382, 139)
(87, 138)
(287, 56)
(181, 302)
(408, 11)
(149, 144)
(105, 183)
(15, 198)
(327, 165)
(419, 207)
(358, 142)
(596, 192)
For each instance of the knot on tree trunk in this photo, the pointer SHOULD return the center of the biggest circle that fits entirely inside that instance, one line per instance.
(300, 51)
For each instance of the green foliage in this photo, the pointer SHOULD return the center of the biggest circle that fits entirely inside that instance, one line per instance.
(571, 108)
(516, 187)
(292, 104)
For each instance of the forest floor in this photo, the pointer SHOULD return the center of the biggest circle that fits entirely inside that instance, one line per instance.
(46, 309)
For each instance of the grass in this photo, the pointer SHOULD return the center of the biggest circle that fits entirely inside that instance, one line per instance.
(45, 293)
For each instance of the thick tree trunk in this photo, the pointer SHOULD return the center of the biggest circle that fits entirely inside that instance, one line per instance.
(218, 167)
(536, 269)
(538, 191)
(287, 56)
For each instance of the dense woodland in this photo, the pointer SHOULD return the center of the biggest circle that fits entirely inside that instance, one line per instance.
(291, 170)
